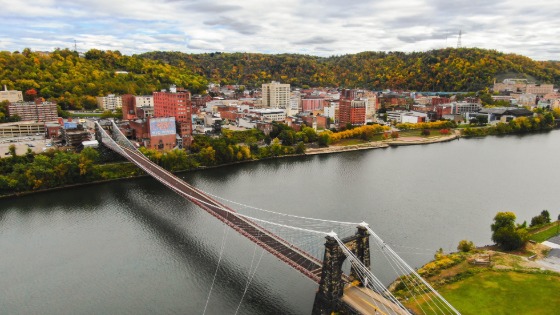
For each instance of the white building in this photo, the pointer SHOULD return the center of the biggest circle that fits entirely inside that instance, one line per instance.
(269, 114)
(144, 100)
(109, 102)
(330, 110)
(527, 99)
(246, 123)
(11, 96)
(406, 117)
(276, 95)
(414, 117)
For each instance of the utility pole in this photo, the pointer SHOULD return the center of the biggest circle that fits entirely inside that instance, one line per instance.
(459, 39)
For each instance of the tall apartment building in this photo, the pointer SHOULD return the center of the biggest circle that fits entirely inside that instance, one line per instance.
(11, 96)
(34, 111)
(351, 110)
(109, 102)
(372, 105)
(176, 103)
(276, 95)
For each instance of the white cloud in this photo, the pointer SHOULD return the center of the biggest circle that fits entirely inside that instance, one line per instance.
(322, 27)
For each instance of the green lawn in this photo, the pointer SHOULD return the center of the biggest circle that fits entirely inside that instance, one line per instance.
(345, 142)
(417, 133)
(546, 233)
(501, 292)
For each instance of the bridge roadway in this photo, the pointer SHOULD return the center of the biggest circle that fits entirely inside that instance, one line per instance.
(278, 247)
(368, 302)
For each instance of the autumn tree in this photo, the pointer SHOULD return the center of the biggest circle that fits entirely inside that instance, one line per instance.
(30, 95)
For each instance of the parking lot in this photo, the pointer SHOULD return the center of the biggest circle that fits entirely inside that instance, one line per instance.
(35, 143)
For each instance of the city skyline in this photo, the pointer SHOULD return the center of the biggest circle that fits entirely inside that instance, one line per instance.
(315, 27)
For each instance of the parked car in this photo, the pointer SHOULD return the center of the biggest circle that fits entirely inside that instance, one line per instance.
(30, 145)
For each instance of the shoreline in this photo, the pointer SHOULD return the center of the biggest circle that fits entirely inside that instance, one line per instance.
(309, 152)
(430, 140)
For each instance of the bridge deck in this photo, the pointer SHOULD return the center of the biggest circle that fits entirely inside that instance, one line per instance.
(288, 253)
(369, 302)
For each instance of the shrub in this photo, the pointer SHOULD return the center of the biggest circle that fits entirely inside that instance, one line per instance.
(425, 132)
(444, 131)
(465, 246)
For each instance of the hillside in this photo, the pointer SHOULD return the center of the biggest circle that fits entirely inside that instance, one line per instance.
(73, 81)
(465, 69)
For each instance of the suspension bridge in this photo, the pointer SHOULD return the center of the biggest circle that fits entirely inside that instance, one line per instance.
(311, 246)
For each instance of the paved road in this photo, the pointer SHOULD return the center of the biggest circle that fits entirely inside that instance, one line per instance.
(368, 302)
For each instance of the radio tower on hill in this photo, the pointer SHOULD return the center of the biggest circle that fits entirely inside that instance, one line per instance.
(459, 39)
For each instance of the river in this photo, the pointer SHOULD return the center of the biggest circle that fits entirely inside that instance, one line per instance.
(134, 247)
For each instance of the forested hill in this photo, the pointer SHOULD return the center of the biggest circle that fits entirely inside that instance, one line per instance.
(465, 69)
(73, 81)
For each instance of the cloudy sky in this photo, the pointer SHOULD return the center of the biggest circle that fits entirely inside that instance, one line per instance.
(317, 27)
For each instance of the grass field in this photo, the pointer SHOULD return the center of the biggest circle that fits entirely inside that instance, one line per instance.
(417, 133)
(346, 142)
(545, 233)
(503, 292)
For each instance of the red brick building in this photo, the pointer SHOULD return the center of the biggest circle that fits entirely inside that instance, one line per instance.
(129, 107)
(231, 115)
(315, 121)
(162, 133)
(350, 109)
(176, 104)
(440, 100)
(140, 129)
(443, 109)
(310, 104)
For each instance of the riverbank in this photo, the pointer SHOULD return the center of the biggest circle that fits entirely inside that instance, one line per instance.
(418, 140)
(474, 280)
(309, 152)
(404, 141)
(347, 148)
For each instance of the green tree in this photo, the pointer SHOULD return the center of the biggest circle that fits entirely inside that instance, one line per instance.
(324, 138)
(288, 137)
(300, 148)
(541, 219)
(504, 232)
(12, 150)
(275, 147)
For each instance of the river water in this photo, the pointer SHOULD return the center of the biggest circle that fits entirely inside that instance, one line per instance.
(134, 247)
